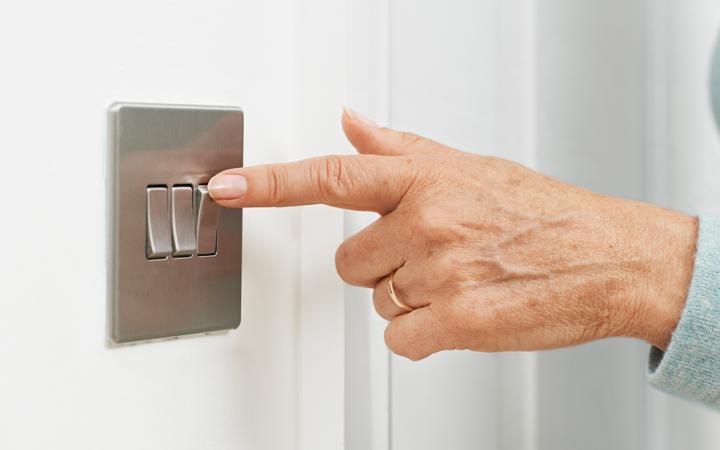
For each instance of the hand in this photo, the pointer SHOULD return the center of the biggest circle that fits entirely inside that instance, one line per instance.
(493, 256)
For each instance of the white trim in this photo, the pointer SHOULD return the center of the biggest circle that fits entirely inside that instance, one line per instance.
(367, 406)
(656, 178)
(518, 395)
(530, 384)
(657, 129)
(317, 89)
(517, 100)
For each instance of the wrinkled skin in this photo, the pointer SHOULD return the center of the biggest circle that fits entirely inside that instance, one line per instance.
(493, 256)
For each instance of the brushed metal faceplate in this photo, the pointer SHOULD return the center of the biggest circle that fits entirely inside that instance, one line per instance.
(151, 146)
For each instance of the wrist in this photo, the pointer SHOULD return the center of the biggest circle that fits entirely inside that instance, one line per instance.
(670, 242)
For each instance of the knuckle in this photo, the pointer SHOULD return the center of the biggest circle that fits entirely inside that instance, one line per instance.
(413, 353)
(393, 341)
(430, 223)
(276, 182)
(438, 229)
(331, 176)
(345, 260)
(431, 216)
(495, 161)
(342, 258)
(498, 165)
(401, 345)
(425, 220)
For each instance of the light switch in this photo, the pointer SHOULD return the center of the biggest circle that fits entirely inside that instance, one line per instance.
(174, 261)
(158, 223)
(207, 223)
(183, 221)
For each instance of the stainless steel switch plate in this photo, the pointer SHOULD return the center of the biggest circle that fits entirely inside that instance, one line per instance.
(174, 267)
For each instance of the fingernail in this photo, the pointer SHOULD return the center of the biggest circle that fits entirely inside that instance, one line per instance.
(359, 117)
(227, 186)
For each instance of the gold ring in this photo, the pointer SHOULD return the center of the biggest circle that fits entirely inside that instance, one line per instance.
(393, 295)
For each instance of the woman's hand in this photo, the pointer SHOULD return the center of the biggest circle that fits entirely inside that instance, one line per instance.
(493, 256)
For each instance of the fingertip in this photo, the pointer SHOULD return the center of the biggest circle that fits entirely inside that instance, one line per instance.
(227, 186)
(350, 115)
(360, 131)
(347, 125)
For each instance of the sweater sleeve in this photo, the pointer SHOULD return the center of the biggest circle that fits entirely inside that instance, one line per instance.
(691, 365)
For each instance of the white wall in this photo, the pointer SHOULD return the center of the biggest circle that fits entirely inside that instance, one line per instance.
(274, 383)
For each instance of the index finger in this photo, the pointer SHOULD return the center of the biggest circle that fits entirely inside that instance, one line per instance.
(358, 182)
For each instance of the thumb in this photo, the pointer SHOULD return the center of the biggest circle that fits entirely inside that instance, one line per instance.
(359, 182)
(369, 138)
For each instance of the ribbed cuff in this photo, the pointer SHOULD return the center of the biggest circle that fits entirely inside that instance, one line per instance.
(691, 365)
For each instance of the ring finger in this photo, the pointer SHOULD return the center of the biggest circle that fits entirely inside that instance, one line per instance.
(384, 304)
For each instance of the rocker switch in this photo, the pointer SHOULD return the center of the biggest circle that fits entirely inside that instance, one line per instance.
(158, 223)
(183, 221)
(207, 223)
